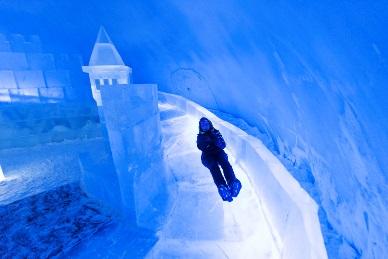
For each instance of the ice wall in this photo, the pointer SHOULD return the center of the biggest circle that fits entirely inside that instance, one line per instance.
(26, 125)
(28, 74)
(309, 76)
(47, 118)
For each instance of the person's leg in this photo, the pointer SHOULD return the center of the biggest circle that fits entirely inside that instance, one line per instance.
(222, 159)
(210, 162)
(233, 183)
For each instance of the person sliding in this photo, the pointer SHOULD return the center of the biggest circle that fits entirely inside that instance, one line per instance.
(212, 144)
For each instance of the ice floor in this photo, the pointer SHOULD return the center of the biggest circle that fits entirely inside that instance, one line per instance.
(50, 224)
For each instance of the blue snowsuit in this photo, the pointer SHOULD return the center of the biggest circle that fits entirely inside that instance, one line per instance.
(211, 143)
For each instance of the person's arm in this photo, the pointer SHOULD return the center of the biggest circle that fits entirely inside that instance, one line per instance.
(202, 144)
(219, 140)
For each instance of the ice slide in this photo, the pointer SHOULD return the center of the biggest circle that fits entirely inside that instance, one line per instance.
(273, 217)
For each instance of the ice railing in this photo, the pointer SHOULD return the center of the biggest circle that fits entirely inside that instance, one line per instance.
(290, 212)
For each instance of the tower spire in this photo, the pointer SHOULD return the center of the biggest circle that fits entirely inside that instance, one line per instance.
(104, 51)
(103, 36)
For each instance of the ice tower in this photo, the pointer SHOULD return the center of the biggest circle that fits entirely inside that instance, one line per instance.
(106, 67)
(132, 122)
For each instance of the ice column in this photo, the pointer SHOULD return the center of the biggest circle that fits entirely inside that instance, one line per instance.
(133, 126)
(131, 119)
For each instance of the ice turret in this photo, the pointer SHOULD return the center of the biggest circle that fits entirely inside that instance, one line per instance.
(106, 67)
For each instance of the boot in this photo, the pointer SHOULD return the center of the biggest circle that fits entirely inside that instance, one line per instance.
(225, 193)
(235, 187)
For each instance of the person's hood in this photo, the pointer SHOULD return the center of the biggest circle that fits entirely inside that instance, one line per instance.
(199, 125)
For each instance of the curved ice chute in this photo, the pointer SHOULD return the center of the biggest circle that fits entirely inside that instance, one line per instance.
(288, 209)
